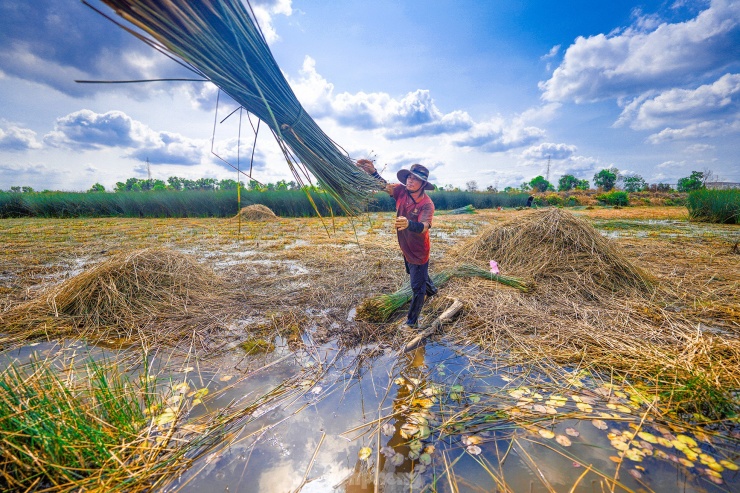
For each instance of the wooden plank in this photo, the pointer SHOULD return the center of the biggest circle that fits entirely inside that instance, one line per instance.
(446, 316)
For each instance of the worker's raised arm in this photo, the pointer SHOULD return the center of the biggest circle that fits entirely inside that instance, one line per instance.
(368, 167)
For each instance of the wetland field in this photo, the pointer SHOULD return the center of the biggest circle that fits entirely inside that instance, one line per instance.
(188, 355)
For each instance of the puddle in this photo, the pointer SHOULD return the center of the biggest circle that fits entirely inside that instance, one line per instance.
(404, 421)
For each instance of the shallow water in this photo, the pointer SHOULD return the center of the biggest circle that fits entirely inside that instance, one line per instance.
(497, 425)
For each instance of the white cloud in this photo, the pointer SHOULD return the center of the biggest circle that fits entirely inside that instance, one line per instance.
(14, 138)
(644, 57)
(413, 115)
(717, 102)
(87, 130)
(265, 10)
(549, 150)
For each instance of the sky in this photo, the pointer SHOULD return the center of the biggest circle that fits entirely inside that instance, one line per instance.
(495, 92)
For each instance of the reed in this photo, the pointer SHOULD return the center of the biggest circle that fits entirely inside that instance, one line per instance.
(715, 206)
(220, 41)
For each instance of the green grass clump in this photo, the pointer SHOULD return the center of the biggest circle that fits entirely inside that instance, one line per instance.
(256, 346)
(715, 206)
(468, 209)
(380, 308)
(65, 433)
(614, 198)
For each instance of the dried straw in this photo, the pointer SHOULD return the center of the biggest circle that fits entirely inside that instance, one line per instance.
(122, 297)
(257, 212)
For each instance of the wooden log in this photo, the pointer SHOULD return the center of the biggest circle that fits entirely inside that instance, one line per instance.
(446, 316)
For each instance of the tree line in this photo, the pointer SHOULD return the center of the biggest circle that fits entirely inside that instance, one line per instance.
(606, 180)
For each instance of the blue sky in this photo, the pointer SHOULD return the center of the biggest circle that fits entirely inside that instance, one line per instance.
(475, 90)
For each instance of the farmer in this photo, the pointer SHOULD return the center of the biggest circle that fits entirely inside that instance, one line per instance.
(414, 212)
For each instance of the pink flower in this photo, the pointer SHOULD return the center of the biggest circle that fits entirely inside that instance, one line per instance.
(494, 267)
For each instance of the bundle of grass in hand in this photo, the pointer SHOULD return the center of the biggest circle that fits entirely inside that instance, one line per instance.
(220, 40)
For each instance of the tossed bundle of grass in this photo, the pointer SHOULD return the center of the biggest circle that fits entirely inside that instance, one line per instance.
(123, 296)
(468, 209)
(555, 247)
(257, 212)
(380, 308)
(219, 40)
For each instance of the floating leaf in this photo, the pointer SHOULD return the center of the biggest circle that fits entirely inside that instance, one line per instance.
(664, 442)
(388, 429)
(586, 408)
(388, 451)
(182, 387)
(619, 445)
(616, 459)
(399, 381)
(633, 455)
(715, 466)
(539, 408)
(397, 459)
(191, 428)
(225, 378)
(425, 403)
(517, 393)
(648, 437)
(200, 393)
(473, 449)
(475, 399)
(364, 453)
(164, 418)
(729, 465)
(429, 449)
(187, 369)
(635, 473)
(425, 459)
(599, 424)
(408, 430)
(471, 440)
(563, 440)
(546, 433)
(687, 440)
(572, 432)
(685, 462)
(195, 402)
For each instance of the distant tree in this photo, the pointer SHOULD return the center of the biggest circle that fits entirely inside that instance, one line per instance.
(15, 189)
(567, 182)
(492, 189)
(253, 185)
(606, 178)
(281, 185)
(293, 185)
(96, 188)
(583, 185)
(227, 184)
(524, 187)
(175, 183)
(634, 183)
(708, 176)
(471, 186)
(159, 186)
(511, 190)
(660, 187)
(25, 189)
(690, 183)
(539, 183)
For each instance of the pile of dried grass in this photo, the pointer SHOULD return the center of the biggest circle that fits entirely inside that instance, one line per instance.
(556, 248)
(257, 212)
(149, 294)
(592, 307)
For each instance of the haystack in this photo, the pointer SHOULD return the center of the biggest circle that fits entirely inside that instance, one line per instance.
(257, 212)
(555, 248)
(122, 298)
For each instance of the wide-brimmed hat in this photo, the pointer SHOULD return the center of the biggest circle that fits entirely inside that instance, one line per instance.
(418, 171)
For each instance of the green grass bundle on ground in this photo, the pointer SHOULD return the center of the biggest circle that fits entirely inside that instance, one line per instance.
(715, 206)
(380, 308)
(468, 209)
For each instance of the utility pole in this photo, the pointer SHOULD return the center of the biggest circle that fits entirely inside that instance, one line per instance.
(148, 170)
(547, 177)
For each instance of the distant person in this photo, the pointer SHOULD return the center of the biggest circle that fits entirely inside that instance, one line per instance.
(414, 213)
(530, 201)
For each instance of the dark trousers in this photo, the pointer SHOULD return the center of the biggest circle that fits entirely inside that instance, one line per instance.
(421, 287)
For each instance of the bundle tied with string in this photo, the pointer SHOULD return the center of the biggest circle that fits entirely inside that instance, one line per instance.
(220, 41)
